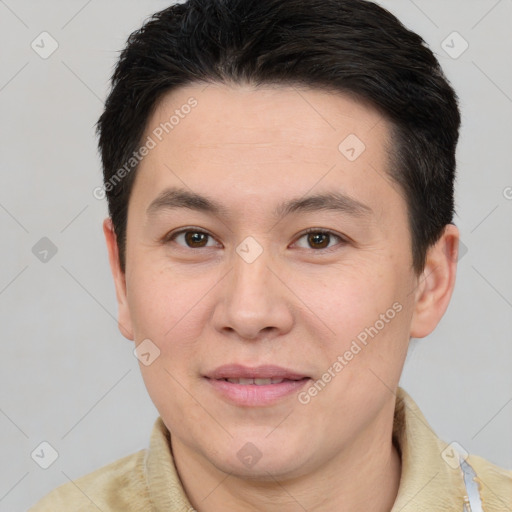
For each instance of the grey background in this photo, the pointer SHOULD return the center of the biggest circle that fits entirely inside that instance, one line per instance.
(67, 375)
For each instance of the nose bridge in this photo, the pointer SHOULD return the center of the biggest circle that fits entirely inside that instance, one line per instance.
(253, 299)
(250, 286)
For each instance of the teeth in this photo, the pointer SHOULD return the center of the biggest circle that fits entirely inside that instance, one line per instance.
(258, 382)
(261, 382)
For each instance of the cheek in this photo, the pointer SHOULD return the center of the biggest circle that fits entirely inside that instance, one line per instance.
(366, 310)
(347, 298)
(152, 302)
(168, 311)
(168, 307)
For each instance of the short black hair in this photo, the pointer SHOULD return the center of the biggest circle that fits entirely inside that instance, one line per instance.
(354, 47)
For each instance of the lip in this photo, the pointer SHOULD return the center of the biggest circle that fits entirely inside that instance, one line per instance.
(238, 371)
(254, 395)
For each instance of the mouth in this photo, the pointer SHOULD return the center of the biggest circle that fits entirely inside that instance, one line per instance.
(265, 373)
(256, 386)
(258, 382)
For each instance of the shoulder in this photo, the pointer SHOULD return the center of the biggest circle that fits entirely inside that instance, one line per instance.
(118, 486)
(495, 484)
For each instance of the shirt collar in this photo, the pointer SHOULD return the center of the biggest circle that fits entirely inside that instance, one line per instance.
(431, 478)
(427, 482)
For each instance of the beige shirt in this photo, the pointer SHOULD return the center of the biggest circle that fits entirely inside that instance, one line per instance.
(432, 479)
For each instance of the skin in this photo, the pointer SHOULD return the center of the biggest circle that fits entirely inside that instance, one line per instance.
(299, 305)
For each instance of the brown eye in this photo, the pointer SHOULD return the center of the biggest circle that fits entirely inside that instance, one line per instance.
(320, 239)
(195, 238)
(191, 238)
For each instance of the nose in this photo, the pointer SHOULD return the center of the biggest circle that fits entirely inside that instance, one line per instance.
(253, 302)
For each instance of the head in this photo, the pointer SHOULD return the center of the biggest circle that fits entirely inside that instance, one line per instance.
(233, 127)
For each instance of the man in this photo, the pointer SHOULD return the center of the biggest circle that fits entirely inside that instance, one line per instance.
(279, 176)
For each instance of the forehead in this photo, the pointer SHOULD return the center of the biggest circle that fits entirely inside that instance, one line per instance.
(259, 143)
(266, 119)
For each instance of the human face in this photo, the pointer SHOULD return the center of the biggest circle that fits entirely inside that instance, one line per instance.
(244, 286)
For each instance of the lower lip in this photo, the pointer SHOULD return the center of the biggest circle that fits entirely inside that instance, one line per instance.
(254, 395)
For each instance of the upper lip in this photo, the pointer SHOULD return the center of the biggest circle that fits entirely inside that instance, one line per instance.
(237, 371)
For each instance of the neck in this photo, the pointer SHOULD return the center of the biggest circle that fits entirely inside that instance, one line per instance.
(365, 477)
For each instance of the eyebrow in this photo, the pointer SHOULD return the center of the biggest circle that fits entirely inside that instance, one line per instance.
(173, 198)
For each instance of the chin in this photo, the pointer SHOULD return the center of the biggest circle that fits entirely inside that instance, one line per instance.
(269, 471)
(256, 458)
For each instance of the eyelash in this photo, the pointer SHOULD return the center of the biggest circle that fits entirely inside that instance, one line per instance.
(170, 237)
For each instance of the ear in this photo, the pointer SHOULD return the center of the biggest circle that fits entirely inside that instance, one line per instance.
(124, 319)
(436, 283)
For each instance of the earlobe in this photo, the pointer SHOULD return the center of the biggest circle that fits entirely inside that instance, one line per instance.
(436, 284)
(124, 318)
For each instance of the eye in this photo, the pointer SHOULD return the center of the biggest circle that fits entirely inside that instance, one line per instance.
(192, 238)
(196, 239)
(320, 239)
